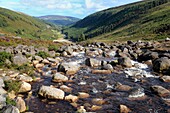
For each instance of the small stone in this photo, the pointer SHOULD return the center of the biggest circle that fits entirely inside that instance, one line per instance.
(101, 72)
(83, 95)
(24, 78)
(11, 94)
(58, 77)
(161, 91)
(95, 108)
(165, 78)
(10, 109)
(51, 93)
(98, 101)
(66, 88)
(124, 109)
(20, 104)
(71, 98)
(25, 87)
(81, 109)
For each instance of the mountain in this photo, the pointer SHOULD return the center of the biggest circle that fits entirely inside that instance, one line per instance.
(21, 25)
(59, 20)
(148, 20)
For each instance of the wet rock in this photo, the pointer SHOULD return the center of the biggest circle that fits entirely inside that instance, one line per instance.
(92, 62)
(58, 77)
(165, 78)
(71, 98)
(2, 83)
(20, 104)
(51, 93)
(83, 95)
(98, 101)
(95, 108)
(24, 78)
(161, 65)
(69, 50)
(66, 88)
(136, 92)
(161, 91)
(120, 87)
(148, 56)
(69, 68)
(108, 67)
(25, 87)
(64, 54)
(81, 110)
(19, 59)
(101, 72)
(125, 61)
(10, 109)
(124, 109)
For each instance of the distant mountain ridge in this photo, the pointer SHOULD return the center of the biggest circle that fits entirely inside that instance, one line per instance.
(148, 19)
(59, 20)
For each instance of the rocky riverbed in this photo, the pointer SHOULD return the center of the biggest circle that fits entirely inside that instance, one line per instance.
(121, 77)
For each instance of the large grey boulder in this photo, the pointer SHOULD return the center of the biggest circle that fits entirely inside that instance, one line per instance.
(10, 109)
(58, 77)
(93, 62)
(125, 61)
(51, 93)
(69, 68)
(69, 50)
(19, 59)
(161, 65)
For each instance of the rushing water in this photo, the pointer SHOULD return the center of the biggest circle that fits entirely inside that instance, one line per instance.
(100, 86)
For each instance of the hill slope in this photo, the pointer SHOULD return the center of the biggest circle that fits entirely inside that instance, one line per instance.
(19, 24)
(59, 20)
(145, 19)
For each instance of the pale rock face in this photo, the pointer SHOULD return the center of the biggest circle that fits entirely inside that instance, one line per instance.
(71, 98)
(20, 104)
(10, 109)
(51, 93)
(59, 78)
(24, 78)
(25, 87)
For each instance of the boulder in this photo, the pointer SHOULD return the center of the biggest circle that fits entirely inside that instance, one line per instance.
(124, 109)
(2, 98)
(161, 65)
(66, 88)
(51, 93)
(69, 50)
(83, 95)
(71, 98)
(24, 78)
(92, 62)
(161, 91)
(58, 77)
(165, 78)
(10, 109)
(98, 101)
(52, 53)
(19, 59)
(101, 71)
(25, 87)
(125, 61)
(20, 104)
(148, 56)
(38, 58)
(69, 68)
(108, 67)
(2, 83)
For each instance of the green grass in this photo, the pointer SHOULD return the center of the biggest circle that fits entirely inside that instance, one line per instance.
(149, 20)
(10, 101)
(12, 85)
(3, 57)
(19, 24)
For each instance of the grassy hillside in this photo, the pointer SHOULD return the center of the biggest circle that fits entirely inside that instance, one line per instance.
(59, 20)
(19, 24)
(141, 20)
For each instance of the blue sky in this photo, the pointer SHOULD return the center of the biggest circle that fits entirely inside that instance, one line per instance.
(76, 8)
